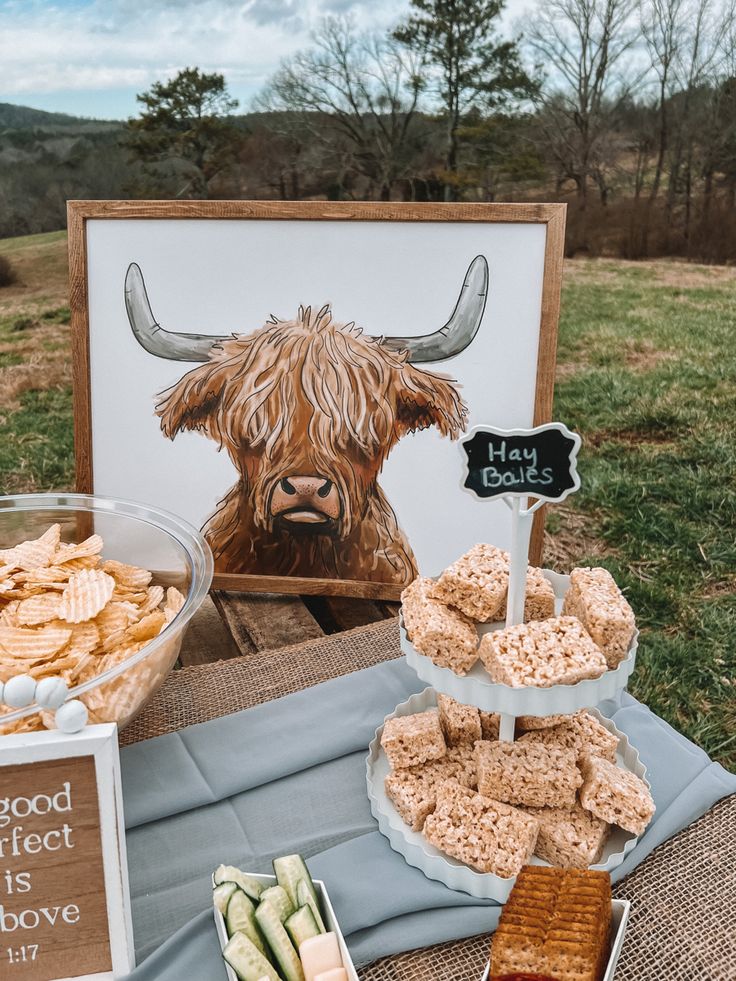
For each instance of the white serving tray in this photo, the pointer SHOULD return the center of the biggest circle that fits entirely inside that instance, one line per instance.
(476, 688)
(417, 851)
(619, 919)
(329, 917)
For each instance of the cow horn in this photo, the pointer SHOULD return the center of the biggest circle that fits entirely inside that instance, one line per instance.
(459, 330)
(150, 335)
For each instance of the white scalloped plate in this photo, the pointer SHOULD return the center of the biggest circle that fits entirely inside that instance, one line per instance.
(476, 688)
(434, 863)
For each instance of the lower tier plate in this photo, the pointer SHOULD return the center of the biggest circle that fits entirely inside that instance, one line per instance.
(435, 864)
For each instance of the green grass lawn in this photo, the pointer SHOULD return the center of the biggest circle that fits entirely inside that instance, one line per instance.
(649, 380)
(647, 376)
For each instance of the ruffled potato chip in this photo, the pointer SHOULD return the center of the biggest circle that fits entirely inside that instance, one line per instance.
(31, 723)
(67, 552)
(154, 598)
(53, 575)
(9, 614)
(35, 554)
(129, 576)
(86, 594)
(174, 603)
(38, 645)
(147, 628)
(38, 609)
(114, 619)
(85, 638)
(83, 562)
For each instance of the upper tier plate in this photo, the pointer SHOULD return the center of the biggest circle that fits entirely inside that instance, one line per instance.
(476, 688)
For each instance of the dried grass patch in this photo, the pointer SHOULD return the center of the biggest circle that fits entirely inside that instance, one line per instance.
(576, 539)
(676, 273)
(42, 270)
(46, 364)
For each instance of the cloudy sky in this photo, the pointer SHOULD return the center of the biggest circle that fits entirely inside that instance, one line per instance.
(90, 57)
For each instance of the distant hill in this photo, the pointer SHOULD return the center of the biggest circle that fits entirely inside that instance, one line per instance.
(14, 117)
(48, 157)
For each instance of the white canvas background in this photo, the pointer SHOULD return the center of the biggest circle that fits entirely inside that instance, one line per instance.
(227, 276)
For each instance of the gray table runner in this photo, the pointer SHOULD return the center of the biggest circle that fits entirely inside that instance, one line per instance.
(289, 775)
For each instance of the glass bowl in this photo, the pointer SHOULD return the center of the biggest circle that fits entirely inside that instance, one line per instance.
(174, 551)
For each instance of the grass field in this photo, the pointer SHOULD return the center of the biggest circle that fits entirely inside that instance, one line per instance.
(647, 375)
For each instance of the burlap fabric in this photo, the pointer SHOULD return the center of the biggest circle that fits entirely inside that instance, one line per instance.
(683, 915)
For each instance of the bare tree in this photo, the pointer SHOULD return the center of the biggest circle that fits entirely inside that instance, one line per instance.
(697, 58)
(662, 26)
(356, 91)
(581, 44)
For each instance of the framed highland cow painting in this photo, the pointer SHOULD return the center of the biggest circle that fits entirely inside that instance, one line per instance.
(294, 377)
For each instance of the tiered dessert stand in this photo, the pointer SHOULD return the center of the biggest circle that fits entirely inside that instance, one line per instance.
(476, 688)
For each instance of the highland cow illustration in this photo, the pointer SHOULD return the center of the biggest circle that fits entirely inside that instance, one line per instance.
(308, 410)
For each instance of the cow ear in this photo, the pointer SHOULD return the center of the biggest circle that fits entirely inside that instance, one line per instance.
(194, 402)
(427, 399)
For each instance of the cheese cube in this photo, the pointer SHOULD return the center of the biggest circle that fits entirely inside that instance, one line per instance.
(338, 974)
(319, 955)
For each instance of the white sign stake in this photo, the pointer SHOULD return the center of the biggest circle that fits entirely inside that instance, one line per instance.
(517, 464)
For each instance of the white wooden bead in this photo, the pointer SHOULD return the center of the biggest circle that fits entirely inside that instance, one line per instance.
(19, 691)
(51, 693)
(72, 716)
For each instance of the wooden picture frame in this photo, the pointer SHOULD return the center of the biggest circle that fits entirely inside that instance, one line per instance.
(82, 213)
(92, 874)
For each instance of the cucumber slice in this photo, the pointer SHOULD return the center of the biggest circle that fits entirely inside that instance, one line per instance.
(240, 918)
(288, 871)
(306, 898)
(281, 902)
(301, 926)
(228, 873)
(278, 940)
(221, 895)
(247, 961)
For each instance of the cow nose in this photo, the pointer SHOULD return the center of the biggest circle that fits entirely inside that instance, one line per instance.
(306, 486)
(307, 499)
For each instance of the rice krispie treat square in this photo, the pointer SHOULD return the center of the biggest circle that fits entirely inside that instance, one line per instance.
(459, 764)
(413, 739)
(460, 723)
(539, 600)
(569, 838)
(485, 834)
(476, 584)
(413, 790)
(529, 723)
(446, 636)
(525, 773)
(595, 599)
(616, 795)
(581, 732)
(557, 651)
(412, 796)
(490, 723)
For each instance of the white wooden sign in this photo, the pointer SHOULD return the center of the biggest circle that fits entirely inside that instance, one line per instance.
(64, 900)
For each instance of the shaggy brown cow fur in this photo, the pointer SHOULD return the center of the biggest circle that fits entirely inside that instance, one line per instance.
(310, 396)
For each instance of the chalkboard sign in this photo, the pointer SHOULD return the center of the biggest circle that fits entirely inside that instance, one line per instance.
(538, 463)
(64, 905)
